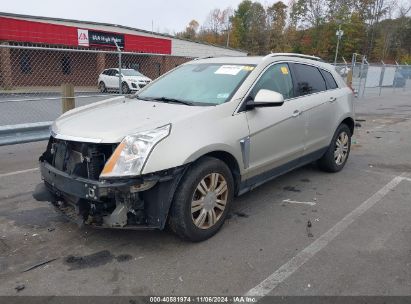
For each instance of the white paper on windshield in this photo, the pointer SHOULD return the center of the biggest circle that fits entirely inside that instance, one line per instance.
(229, 69)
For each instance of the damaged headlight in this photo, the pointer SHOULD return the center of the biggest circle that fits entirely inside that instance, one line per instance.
(130, 156)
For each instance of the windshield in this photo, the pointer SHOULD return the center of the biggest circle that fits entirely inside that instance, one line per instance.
(199, 84)
(131, 73)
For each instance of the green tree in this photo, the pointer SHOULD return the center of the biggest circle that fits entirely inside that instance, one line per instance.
(276, 21)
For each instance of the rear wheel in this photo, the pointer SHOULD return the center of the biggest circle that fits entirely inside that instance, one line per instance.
(202, 200)
(337, 154)
(102, 87)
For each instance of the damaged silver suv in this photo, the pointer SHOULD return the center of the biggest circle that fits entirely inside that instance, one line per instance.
(180, 150)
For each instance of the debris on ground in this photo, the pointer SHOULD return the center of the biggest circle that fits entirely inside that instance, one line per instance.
(297, 202)
(39, 264)
(180, 278)
(50, 229)
(357, 125)
(20, 287)
(309, 225)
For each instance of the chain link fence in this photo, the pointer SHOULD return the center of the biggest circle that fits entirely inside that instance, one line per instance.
(33, 78)
(375, 79)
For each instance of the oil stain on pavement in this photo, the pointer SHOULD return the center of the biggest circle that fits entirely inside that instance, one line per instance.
(94, 260)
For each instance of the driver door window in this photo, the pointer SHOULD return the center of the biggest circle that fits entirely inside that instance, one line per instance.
(276, 78)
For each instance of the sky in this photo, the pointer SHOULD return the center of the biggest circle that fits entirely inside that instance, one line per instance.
(168, 16)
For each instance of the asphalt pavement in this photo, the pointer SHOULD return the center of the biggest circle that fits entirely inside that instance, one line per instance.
(359, 242)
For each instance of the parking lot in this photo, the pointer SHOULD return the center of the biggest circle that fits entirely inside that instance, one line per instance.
(358, 242)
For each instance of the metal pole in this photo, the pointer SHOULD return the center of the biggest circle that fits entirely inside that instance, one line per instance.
(338, 44)
(120, 89)
(381, 76)
(361, 69)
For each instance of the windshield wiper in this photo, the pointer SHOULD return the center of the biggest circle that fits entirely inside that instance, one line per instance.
(167, 100)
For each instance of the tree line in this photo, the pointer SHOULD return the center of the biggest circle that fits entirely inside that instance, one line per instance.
(379, 29)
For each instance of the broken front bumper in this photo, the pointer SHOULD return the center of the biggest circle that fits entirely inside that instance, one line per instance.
(135, 203)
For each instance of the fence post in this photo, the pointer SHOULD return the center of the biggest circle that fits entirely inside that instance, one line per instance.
(6, 67)
(349, 78)
(120, 82)
(68, 101)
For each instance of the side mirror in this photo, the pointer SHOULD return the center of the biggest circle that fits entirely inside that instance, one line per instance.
(117, 75)
(265, 98)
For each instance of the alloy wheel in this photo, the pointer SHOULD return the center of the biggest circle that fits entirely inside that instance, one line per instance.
(209, 200)
(341, 148)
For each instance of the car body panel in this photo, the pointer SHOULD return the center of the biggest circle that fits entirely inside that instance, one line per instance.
(111, 121)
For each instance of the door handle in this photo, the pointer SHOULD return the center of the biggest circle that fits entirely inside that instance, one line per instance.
(332, 99)
(295, 113)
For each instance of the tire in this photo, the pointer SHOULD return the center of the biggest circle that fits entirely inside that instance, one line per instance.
(124, 88)
(102, 87)
(197, 216)
(337, 154)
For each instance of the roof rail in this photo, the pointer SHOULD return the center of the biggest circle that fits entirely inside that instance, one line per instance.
(293, 55)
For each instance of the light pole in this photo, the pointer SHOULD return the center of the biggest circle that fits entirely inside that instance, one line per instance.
(339, 34)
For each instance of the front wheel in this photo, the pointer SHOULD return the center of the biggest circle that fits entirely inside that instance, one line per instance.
(337, 153)
(202, 200)
(124, 88)
(102, 87)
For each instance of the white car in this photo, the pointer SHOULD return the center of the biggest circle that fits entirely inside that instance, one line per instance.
(131, 80)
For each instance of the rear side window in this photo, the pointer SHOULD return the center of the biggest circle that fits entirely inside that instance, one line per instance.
(309, 79)
(329, 80)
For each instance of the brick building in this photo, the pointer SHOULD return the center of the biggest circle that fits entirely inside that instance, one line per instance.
(77, 51)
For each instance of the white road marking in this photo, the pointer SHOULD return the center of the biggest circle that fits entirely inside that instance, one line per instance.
(296, 202)
(18, 172)
(282, 273)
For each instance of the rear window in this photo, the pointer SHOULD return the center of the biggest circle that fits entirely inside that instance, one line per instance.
(329, 80)
(309, 79)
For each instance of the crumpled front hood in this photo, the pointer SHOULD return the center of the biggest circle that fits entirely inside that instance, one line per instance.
(111, 120)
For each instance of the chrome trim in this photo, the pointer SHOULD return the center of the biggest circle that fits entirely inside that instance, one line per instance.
(245, 151)
(76, 138)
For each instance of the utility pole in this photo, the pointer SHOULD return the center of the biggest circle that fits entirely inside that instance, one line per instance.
(339, 34)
